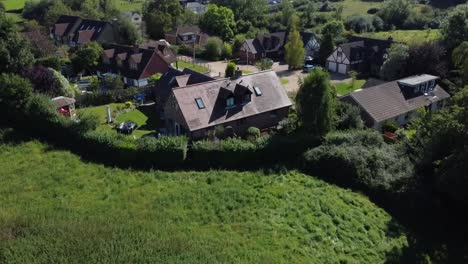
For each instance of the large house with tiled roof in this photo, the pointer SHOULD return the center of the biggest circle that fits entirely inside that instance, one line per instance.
(187, 35)
(75, 31)
(135, 64)
(398, 101)
(254, 100)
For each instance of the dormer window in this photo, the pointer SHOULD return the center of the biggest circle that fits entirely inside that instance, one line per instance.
(246, 99)
(230, 102)
(119, 63)
(106, 60)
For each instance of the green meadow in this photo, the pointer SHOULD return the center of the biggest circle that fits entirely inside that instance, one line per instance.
(57, 208)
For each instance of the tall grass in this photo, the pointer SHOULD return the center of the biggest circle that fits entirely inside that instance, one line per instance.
(55, 208)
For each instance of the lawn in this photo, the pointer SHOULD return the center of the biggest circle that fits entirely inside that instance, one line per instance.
(357, 7)
(123, 5)
(284, 81)
(407, 36)
(346, 88)
(56, 208)
(195, 67)
(144, 116)
(13, 4)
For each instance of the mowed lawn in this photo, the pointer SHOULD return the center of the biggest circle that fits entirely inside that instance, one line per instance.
(55, 208)
(346, 88)
(192, 66)
(143, 116)
(407, 36)
(13, 4)
(357, 7)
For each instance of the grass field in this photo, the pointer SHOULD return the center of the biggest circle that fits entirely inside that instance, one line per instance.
(55, 208)
(13, 4)
(346, 88)
(144, 116)
(194, 67)
(357, 7)
(407, 36)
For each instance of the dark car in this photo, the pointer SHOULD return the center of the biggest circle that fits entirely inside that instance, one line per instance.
(308, 67)
(126, 127)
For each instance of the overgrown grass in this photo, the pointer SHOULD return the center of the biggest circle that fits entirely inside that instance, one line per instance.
(357, 7)
(55, 208)
(195, 67)
(346, 88)
(13, 4)
(407, 36)
(132, 6)
(144, 117)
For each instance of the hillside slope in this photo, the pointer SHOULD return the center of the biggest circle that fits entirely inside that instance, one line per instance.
(55, 208)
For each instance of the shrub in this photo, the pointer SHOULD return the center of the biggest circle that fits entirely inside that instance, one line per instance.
(213, 48)
(390, 126)
(360, 159)
(230, 69)
(50, 62)
(360, 24)
(107, 97)
(348, 116)
(165, 152)
(128, 105)
(253, 132)
(227, 50)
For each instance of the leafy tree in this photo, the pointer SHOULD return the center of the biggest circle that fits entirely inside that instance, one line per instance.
(264, 64)
(15, 53)
(315, 103)
(87, 57)
(455, 27)
(287, 11)
(213, 48)
(251, 11)
(42, 79)
(227, 50)
(63, 86)
(219, 20)
(14, 92)
(394, 67)
(129, 34)
(427, 57)
(459, 58)
(230, 69)
(294, 50)
(326, 49)
(348, 116)
(360, 24)
(333, 28)
(113, 83)
(161, 16)
(237, 43)
(395, 12)
(50, 62)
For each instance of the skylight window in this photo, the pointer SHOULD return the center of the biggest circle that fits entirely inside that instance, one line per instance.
(257, 90)
(200, 103)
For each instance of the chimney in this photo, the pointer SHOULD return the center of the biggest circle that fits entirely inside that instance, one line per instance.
(238, 73)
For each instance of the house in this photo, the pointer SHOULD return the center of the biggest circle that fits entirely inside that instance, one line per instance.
(359, 54)
(398, 101)
(196, 7)
(75, 31)
(271, 46)
(254, 100)
(187, 35)
(134, 64)
(65, 106)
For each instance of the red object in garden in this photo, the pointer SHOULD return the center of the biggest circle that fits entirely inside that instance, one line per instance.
(63, 111)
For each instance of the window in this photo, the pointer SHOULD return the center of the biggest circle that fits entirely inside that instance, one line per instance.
(257, 90)
(230, 102)
(184, 38)
(274, 114)
(339, 54)
(246, 98)
(200, 103)
(133, 66)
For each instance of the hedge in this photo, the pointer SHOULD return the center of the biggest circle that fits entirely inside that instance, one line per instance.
(107, 97)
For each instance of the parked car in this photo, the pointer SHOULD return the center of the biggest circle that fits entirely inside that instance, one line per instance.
(126, 127)
(308, 67)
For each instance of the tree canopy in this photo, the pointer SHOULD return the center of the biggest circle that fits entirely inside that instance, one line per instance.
(219, 20)
(455, 27)
(87, 57)
(395, 65)
(294, 50)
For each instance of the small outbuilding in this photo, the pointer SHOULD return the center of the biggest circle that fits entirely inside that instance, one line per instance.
(65, 106)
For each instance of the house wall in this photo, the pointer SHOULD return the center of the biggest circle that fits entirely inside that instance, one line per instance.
(261, 121)
(155, 65)
(172, 39)
(252, 57)
(173, 115)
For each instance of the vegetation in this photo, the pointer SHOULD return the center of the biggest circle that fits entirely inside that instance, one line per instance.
(395, 65)
(407, 36)
(87, 57)
(192, 66)
(346, 88)
(294, 50)
(219, 20)
(230, 69)
(179, 217)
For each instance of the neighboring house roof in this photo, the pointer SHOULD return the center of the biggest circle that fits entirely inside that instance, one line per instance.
(149, 61)
(366, 48)
(273, 42)
(163, 47)
(65, 25)
(182, 31)
(90, 30)
(62, 101)
(392, 99)
(85, 36)
(213, 94)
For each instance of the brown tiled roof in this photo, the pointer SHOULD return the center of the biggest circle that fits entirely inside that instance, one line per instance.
(109, 53)
(389, 100)
(136, 57)
(182, 80)
(273, 97)
(61, 28)
(85, 36)
(62, 101)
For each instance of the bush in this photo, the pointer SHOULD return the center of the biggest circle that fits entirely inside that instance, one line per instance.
(50, 62)
(107, 97)
(213, 48)
(227, 50)
(230, 69)
(165, 152)
(253, 132)
(348, 116)
(390, 126)
(360, 159)
(360, 24)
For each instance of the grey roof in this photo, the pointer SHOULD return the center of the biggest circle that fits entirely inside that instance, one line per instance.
(62, 101)
(389, 100)
(413, 80)
(214, 93)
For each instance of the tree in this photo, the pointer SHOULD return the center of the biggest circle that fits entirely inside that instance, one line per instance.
(459, 58)
(237, 43)
(42, 80)
(455, 27)
(333, 28)
(14, 92)
(294, 50)
(230, 69)
(219, 20)
(161, 16)
(213, 48)
(264, 64)
(87, 57)
(395, 12)
(427, 57)
(251, 11)
(227, 50)
(62, 85)
(128, 32)
(326, 49)
(394, 67)
(113, 83)
(15, 53)
(315, 103)
(360, 24)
